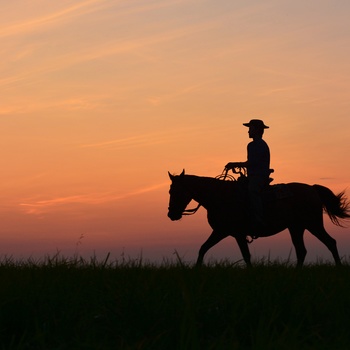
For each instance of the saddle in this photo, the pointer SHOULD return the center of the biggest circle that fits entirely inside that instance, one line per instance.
(269, 192)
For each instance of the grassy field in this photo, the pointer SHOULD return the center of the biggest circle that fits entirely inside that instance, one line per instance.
(74, 304)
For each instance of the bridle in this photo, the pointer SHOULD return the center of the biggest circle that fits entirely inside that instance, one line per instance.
(191, 211)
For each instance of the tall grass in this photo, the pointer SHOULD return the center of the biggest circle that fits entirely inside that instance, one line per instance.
(60, 303)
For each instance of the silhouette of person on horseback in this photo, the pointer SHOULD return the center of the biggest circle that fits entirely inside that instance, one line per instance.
(258, 171)
(293, 206)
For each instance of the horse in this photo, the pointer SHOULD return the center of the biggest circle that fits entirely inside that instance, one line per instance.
(228, 211)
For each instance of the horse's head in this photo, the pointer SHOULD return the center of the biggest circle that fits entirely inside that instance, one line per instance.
(179, 196)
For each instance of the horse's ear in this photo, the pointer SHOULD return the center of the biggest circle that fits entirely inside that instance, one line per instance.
(172, 177)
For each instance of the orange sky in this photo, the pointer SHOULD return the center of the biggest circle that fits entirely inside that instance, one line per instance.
(99, 99)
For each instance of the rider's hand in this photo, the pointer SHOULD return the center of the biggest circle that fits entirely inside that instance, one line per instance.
(230, 166)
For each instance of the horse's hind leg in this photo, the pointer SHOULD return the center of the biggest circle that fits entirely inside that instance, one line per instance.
(297, 235)
(213, 239)
(320, 232)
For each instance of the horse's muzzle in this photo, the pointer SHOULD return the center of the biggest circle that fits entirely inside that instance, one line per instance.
(174, 216)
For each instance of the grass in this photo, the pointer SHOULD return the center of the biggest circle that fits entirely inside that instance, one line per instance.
(61, 303)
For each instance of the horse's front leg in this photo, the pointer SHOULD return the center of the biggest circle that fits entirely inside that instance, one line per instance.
(243, 246)
(213, 239)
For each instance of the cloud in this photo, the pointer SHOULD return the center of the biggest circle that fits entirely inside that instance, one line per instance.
(77, 9)
(91, 51)
(167, 136)
(133, 141)
(34, 206)
(82, 8)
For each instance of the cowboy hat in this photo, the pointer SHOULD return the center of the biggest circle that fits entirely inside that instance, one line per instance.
(257, 123)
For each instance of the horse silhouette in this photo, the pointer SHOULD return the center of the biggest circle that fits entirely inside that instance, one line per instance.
(300, 207)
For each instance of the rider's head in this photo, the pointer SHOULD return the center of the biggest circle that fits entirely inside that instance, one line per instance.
(256, 128)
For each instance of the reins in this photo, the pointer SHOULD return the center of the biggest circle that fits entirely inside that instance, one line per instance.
(191, 211)
(223, 176)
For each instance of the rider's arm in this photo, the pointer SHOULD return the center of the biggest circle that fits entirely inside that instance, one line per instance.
(233, 165)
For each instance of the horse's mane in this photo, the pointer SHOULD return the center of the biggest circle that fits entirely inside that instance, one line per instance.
(209, 181)
(211, 184)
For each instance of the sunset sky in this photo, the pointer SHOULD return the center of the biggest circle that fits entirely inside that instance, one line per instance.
(101, 98)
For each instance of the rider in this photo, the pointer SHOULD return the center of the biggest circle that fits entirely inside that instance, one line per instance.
(258, 170)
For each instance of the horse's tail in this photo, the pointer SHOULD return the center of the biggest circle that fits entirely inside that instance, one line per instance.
(336, 206)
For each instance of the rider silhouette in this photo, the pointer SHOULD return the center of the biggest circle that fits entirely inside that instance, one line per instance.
(258, 171)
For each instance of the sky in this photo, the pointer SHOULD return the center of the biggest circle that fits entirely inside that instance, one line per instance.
(101, 98)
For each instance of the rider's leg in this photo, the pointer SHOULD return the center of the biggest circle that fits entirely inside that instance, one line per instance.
(255, 187)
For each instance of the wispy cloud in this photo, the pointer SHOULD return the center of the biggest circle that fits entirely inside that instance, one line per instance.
(134, 44)
(49, 19)
(125, 142)
(39, 207)
(98, 51)
(167, 136)
(118, 9)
